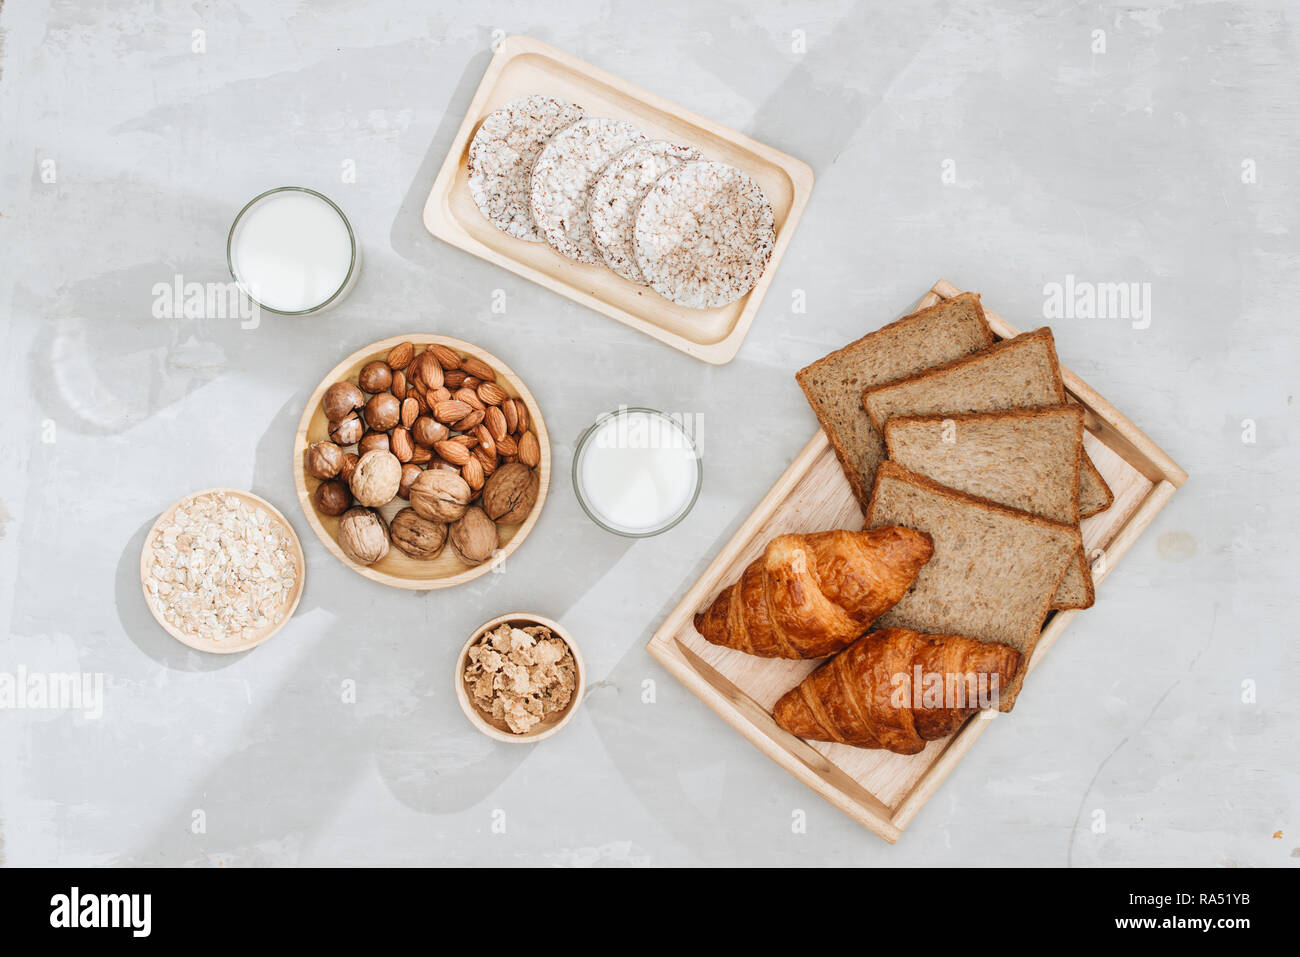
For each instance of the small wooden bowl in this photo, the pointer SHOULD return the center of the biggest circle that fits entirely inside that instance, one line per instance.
(397, 568)
(262, 634)
(499, 730)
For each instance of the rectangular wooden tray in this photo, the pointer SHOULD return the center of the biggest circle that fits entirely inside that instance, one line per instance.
(523, 66)
(881, 790)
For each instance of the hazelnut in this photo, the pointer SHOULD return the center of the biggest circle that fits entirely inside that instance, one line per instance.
(348, 465)
(426, 430)
(473, 537)
(383, 411)
(510, 493)
(332, 497)
(416, 536)
(362, 535)
(376, 478)
(324, 459)
(375, 377)
(409, 474)
(374, 442)
(440, 495)
(400, 444)
(347, 430)
(340, 399)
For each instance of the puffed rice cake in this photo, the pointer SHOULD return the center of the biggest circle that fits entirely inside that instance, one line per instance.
(563, 174)
(501, 158)
(617, 193)
(704, 234)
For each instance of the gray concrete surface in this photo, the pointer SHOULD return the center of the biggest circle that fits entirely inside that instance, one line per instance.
(993, 144)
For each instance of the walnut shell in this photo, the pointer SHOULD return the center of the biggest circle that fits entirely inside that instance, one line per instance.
(363, 536)
(440, 495)
(511, 493)
(376, 478)
(324, 459)
(340, 399)
(473, 537)
(417, 536)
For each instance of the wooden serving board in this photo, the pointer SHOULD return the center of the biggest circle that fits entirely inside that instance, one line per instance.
(523, 66)
(882, 790)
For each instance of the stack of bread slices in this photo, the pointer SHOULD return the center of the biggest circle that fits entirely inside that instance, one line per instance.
(944, 429)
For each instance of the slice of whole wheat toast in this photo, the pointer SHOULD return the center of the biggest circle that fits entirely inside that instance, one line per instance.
(1012, 374)
(994, 568)
(833, 384)
(1027, 459)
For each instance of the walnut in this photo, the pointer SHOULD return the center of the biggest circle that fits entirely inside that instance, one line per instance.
(340, 399)
(440, 495)
(376, 478)
(324, 459)
(511, 493)
(474, 537)
(362, 535)
(418, 537)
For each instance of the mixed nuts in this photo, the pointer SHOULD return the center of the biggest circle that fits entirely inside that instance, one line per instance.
(437, 429)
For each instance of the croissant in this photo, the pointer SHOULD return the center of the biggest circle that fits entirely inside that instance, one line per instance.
(808, 596)
(897, 689)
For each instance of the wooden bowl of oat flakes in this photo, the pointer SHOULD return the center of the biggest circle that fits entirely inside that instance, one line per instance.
(222, 570)
(520, 678)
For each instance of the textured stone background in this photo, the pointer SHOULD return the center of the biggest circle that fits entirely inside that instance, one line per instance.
(1122, 166)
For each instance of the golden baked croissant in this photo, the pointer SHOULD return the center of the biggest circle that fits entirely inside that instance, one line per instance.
(897, 689)
(808, 596)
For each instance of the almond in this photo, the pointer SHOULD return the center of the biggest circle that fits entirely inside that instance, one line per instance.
(453, 378)
(472, 473)
(470, 398)
(398, 388)
(467, 440)
(469, 422)
(410, 411)
(489, 462)
(434, 396)
(400, 356)
(490, 393)
(511, 414)
(400, 444)
(478, 369)
(495, 421)
(420, 455)
(416, 393)
(446, 356)
(452, 451)
(507, 446)
(485, 439)
(428, 371)
(449, 411)
(471, 382)
(524, 418)
(530, 450)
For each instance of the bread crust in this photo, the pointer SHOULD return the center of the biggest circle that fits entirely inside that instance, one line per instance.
(850, 469)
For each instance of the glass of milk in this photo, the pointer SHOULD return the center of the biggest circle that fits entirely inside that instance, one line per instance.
(293, 252)
(637, 472)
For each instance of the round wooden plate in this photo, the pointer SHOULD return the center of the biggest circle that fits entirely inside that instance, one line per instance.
(397, 568)
(266, 631)
(499, 730)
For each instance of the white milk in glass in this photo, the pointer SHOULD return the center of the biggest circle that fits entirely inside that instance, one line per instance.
(637, 472)
(292, 251)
